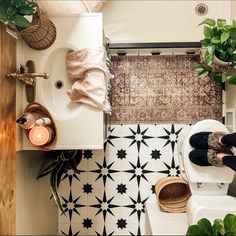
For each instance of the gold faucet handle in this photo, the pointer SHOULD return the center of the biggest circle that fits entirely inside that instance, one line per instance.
(11, 75)
(46, 76)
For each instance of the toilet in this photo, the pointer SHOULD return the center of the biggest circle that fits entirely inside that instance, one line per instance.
(208, 184)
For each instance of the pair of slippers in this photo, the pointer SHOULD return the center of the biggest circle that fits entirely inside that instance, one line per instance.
(207, 146)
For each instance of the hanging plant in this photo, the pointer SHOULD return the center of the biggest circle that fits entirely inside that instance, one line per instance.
(218, 52)
(58, 163)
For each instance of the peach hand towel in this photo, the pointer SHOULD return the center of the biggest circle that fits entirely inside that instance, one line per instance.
(87, 69)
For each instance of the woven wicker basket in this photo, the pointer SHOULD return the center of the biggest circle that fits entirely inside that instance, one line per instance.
(172, 194)
(41, 34)
(38, 108)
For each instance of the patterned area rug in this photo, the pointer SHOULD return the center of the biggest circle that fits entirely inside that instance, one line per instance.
(162, 89)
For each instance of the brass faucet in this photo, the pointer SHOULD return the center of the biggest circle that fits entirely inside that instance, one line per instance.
(29, 79)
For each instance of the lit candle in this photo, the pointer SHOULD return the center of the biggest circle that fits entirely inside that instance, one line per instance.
(40, 135)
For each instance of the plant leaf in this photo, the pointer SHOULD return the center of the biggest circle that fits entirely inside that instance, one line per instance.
(26, 10)
(21, 21)
(231, 79)
(224, 36)
(234, 23)
(232, 33)
(211, 49)
(194, 230)
(47, 170)
(208, 58)
(221, 23)
(205, 42)
(230, 219)
(217, 78)
(216, 39)
(203, 74)
(54, 190)
(60, 173)
(209, 22)
(206, 227)
(208, 33)
(218, 227)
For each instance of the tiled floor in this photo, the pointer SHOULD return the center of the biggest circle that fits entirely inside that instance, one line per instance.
(108, 196)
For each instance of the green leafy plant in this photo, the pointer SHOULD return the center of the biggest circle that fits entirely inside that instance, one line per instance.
(58, 163)
(13, 12)
(226, 227)
(219, 43)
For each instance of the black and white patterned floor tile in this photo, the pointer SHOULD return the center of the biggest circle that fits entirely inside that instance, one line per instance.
(108, 195)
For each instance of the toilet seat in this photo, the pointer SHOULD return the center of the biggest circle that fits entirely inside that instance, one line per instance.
(210, 207)
(205, 174)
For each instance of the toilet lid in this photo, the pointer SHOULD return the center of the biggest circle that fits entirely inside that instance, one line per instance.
(210, 207)
(205, 174)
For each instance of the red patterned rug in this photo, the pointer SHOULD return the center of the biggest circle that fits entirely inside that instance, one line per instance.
(162, 89)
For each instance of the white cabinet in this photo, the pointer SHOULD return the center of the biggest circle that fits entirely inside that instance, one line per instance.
(79, 126)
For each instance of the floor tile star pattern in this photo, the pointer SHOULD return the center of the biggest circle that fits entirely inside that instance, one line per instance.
(108, 195)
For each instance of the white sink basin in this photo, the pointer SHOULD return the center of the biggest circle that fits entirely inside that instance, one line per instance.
(53, 90)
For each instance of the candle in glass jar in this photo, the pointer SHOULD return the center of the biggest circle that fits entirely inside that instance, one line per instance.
(40, 135)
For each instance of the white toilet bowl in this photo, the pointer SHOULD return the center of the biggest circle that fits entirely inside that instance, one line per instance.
(208, 184)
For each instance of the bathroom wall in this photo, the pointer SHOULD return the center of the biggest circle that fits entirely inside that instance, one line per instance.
(36, 214)
(158, 21)
(231, 94)
(233, 9)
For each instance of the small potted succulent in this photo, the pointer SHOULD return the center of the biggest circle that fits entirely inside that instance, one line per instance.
(227, 226)
(218, 52)
(27, 18)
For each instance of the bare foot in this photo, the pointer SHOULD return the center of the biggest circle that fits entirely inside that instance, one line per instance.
(219, 156)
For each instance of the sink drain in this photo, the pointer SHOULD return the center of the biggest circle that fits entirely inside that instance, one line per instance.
(59, 84)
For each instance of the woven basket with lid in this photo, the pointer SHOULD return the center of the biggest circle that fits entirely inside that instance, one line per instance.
(172, 194)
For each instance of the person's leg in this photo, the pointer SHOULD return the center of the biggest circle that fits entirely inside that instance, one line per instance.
(229, 139)
(228, 160)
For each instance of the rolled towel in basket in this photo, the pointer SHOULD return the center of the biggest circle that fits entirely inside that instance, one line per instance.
(88, 70)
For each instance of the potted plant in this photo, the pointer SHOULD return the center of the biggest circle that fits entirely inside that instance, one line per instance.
(226, 227)
(27, 18)
(14, 13)
(218, 52)
(58, 163)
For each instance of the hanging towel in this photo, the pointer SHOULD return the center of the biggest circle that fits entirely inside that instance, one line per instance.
(89, 73)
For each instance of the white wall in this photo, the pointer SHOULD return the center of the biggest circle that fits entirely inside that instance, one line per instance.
(233, 9)
(158, 21)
